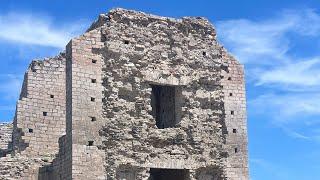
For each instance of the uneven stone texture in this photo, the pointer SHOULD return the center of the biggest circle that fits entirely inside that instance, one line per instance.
(137, 96)
(20, 167)
(5, 138)
(40, 114)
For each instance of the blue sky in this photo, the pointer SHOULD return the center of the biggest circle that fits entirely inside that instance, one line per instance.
(278, 42)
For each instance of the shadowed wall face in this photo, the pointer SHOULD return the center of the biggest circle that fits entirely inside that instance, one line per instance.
(168, 174)
(165, 105)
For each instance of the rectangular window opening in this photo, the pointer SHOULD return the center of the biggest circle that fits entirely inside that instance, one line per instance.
(51, 96)
(93, 119)
(169, 174)
(93, 99)
(126, 42)
(94, 61)
(234, 130)
(90, 143)
(93, 80)
(236, 150)
(166, 105)
(30, 130)
(44, 113)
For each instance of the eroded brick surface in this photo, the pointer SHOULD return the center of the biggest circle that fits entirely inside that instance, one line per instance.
(137, 96)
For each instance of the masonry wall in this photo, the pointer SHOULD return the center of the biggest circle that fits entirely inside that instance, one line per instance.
(40, 114)
(5, 138)
(84, 103)
(144, 50)
(89, 113)
(236, 120)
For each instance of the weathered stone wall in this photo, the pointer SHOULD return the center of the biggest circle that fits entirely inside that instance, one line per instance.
(5, 138)
(139, 51)
(40, 114)
(143, 50)
(98, 110)
(21, 167)
(84, 106)
(236, 120)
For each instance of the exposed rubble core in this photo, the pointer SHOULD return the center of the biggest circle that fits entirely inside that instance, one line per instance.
(5, 138)
(137, 96)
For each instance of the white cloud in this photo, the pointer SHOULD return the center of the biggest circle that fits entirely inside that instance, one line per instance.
(297, 114)
(287, 107)
(302, 73)
(264, 47)
(36, 30)
(288, 80)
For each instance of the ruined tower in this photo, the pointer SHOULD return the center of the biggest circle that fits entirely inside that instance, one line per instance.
(137, 96)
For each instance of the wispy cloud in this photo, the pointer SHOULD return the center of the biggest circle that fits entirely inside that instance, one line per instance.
(297, 114)
(300, 74)
(288, 79)
(264, 46)
(36, 30)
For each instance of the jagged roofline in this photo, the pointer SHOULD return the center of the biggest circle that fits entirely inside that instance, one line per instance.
(201, 22)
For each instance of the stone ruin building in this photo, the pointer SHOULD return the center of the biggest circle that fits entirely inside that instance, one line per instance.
(137, 96)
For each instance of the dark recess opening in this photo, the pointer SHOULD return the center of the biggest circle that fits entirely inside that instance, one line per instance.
(93, 99)
(93, 80)
(168, 174)
(44, 113)
(166, 106)
(51, 96)
(30, 130)
(234, 131)
(90, 143)
(94, 61)
(93, 119)
(204, 53)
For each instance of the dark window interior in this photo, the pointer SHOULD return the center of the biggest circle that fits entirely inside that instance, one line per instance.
(51, 96)
(90, 143)
(94, 61)
(44, 113)
(30, 130)
(166, 105)
(93, 118)
(93, 99)
(168, 174)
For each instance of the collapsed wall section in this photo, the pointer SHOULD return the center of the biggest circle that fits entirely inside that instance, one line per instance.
(40, 113)
(5, 138)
